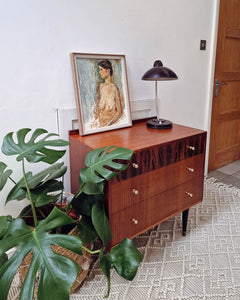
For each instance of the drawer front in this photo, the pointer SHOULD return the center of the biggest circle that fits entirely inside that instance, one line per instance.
(128, 222)
(162, 156)
(131, 191)
(190, 193)
(171, 202)
(137, 218)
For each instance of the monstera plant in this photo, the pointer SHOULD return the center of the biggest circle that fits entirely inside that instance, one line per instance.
(57, 273)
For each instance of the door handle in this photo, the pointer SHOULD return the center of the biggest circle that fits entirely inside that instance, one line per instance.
(217, 85)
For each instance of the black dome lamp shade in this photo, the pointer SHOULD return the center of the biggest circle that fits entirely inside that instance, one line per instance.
(159, 73)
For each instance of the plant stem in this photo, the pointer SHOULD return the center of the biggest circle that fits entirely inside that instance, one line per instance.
(29, 195)
(61, 197)
(79, 191)
(91, 252)
(12, 180)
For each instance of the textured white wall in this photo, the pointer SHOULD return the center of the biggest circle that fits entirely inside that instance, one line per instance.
(38, 36)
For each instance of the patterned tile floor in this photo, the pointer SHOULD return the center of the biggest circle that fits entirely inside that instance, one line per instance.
(229, 174)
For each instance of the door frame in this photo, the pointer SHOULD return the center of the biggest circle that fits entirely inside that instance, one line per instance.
(212, 60)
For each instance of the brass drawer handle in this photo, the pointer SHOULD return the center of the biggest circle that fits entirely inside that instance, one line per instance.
(190, 169)
(136, 166)
(191, 148)
(135, 221)
(135, 192)
(189, 194)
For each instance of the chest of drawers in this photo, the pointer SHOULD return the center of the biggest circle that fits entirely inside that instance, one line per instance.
(165, 176)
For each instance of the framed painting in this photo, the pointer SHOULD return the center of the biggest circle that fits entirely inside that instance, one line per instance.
(101, 92)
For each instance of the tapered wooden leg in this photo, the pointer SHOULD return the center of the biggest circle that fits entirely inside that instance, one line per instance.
(184, 221)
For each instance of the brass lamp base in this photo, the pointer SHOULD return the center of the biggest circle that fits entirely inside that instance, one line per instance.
(159, 124)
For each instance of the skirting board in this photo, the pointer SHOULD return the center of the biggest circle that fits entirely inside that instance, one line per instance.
(67, 120)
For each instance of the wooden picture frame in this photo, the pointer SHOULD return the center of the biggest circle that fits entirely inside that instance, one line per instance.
(101, 92)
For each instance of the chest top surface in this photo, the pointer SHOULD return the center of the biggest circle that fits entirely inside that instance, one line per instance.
(137, 137)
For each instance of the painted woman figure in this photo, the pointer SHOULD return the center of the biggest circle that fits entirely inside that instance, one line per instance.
(109, 108)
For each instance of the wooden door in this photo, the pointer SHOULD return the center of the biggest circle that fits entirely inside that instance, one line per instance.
(225, 124)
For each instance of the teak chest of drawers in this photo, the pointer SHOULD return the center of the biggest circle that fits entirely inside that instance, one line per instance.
(164, 178)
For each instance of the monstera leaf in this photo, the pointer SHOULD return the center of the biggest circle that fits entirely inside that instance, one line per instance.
(53, 172)
(57, 272)
(83, 203)
(4, 224)
(101, 165)
(43, 182)
(89, 188)
(125, 258)
(3, 259)
(86, 230)
(47, 193)
(4, 175)
(105, 265)
(101, 223)
(35, 149)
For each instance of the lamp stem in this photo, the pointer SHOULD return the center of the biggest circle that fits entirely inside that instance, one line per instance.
(156, 100)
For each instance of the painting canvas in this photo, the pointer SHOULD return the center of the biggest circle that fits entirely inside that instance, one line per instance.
(101, 92)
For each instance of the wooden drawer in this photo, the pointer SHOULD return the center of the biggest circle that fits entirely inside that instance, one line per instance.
(171, 202)
(189, 194)
(128, 222)
(161, 156)
(131, 191)
(135, 219)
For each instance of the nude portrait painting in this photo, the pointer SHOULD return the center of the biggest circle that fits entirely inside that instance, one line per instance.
(101, 92)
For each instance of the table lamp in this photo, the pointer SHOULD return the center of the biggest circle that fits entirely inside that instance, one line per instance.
(159, 73)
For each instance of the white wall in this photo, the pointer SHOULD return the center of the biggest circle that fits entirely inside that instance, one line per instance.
(38, 36)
